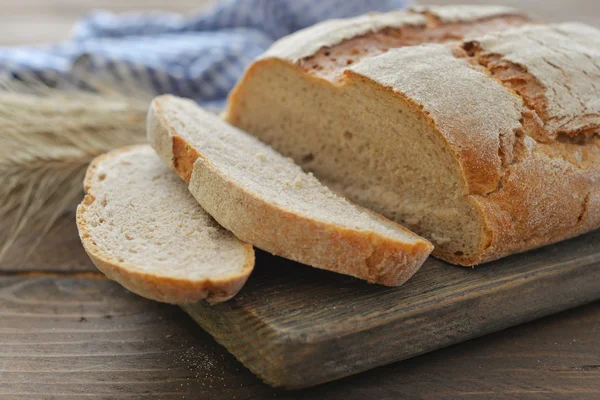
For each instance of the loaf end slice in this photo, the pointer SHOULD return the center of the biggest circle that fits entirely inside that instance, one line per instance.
(267, 200)
(142, 228)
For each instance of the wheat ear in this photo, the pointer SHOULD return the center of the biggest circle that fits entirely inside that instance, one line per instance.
(47, 138)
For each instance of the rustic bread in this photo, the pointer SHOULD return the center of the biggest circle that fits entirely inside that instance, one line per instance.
(486, 147)
(267, 200)
(327, 48)
(142, 228)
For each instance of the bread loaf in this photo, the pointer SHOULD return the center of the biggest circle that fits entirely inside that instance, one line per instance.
(267, 200)
(142, 228)
(486, 147)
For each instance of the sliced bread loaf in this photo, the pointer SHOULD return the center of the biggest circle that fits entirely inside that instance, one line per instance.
(142, 228)
(486, 147)
(267, 200)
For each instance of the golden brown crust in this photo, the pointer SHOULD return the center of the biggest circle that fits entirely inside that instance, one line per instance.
(550, 178)
(553, 68)
(153, 286)
(330, 62)
(183, 163)
(463, 13)
(542, 201)
(418, 24)
(363, 254)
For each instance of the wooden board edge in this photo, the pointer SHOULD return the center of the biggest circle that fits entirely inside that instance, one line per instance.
(249, 339)
(294, 362)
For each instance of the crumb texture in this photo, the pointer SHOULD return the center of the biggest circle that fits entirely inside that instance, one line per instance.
(264, 173)
(143, 216)
(462, 102)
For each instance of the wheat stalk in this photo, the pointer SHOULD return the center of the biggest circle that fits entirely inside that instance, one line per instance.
(48, 136)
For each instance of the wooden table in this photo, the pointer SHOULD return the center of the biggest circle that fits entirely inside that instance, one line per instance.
(66, 332)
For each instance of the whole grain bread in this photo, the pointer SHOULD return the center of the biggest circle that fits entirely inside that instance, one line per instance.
(142, 228)
(267, 200)
(486, 146)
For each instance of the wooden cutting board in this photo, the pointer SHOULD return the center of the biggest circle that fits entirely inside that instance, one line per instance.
(295, 326)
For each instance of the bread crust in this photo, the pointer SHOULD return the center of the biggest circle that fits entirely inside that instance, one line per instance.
(464, 13)
(150, 285)
(363, 254)
(550, 180)
(305, 43)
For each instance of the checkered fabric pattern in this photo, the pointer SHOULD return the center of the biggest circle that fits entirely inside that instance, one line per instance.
(199, 55)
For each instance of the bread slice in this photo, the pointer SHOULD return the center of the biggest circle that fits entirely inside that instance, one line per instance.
(267, 200)
(142, 228)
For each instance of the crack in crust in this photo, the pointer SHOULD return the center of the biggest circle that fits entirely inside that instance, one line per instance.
(515, 78)
(554, 71)
(543, 145)
(585, 206)
(574, 145)
(330, 62)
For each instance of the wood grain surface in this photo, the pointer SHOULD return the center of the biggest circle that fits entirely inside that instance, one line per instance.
(297, 327)
(65, 336)
(59, 250)
(75, 338)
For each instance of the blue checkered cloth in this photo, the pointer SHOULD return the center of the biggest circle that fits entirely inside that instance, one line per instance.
(199, 56)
